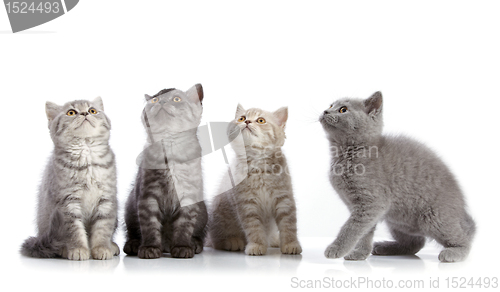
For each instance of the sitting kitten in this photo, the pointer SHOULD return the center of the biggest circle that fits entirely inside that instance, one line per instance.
(77, 204)
(165, 211)
(391, 178)
(250, 214)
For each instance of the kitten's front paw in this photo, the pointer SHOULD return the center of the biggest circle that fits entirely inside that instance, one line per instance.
(102, 253)
(149, 252)
(255, 249)
(291, 248)
(357, 255)
(115, 248)
(234, 244)
(334, 251)
(182, 252)
(78, 254)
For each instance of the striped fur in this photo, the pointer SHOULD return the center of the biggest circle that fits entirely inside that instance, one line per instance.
(260, 211)
(77, 204)
(165, 211)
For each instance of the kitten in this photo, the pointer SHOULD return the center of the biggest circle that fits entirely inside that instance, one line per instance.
(249, 215)
(165, 211)
(391, 178)
(77, 204)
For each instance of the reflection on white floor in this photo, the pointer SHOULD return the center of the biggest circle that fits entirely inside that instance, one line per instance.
(310, 262)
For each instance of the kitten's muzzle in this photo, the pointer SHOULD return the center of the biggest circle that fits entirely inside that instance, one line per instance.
(326, 118)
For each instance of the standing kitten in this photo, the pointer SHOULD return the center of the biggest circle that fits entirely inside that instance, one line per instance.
(250, 214)
(165, 211)
(77, 204)
(395, 179)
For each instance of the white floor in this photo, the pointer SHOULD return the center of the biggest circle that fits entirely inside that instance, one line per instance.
(236, 271)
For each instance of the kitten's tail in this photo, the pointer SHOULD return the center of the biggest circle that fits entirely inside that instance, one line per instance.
(47, 245)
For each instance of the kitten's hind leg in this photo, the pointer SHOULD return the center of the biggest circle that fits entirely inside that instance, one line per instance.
(404, 244)
(456, 237)
(362, 249)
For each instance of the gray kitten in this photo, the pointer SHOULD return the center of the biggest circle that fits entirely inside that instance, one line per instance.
(165, 211)
(391, 178)
(250, 215)
(77, 204)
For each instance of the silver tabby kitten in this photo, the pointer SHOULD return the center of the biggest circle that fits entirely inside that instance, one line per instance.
(77, 204)
(395, 179)
(165, 211)
(250, 215)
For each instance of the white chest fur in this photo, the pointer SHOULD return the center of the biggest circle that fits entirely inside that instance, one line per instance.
(90, 172)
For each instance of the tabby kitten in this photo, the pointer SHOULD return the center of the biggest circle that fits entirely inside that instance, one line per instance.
(249, 215)
(165, 211)
(77, 204)
(391, 178)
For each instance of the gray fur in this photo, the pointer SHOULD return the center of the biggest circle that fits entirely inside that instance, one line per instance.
(165, 211)
(260, 211)
(77, 204)
(395, 179)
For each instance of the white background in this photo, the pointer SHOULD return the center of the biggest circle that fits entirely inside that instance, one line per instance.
(436, 63)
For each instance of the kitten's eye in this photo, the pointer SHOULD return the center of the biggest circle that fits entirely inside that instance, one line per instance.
(261, 120)
(242, 119)
(177, 99)
(343, 109)
(331, 106)
(71, 113)
(154, 100)
(93, 111)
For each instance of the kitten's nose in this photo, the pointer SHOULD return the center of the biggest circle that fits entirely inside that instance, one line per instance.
(247, 122)
(325, 112)
(162, 102)
(84, 113)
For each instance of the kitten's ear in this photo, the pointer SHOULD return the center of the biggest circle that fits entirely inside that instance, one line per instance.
(195, 93)
(239, 111)
(97, 102)
(52, 110)
(373, 104)
(281, 115)
(148, 98)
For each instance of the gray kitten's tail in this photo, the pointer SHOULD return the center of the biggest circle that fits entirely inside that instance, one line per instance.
(47, 245)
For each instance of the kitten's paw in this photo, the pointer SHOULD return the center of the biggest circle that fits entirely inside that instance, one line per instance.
(131, 247)
(393, 248)
(149, 252)
(182, 252)
(334, 251)
(234, 244)
(291, 248)
(198, 245)
(452, 254)
(357, 255)
(381, 248)
(255, 249)
(102, 253)
(78, 254)
(115, 249)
